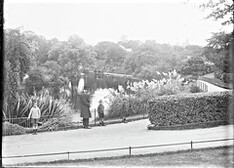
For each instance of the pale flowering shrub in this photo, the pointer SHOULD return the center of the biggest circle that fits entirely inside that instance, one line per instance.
(136, 95)
(169, 85)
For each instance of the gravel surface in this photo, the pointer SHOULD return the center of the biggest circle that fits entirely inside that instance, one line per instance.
(111, 136)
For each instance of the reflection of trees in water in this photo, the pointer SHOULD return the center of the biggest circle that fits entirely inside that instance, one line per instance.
(98, 88)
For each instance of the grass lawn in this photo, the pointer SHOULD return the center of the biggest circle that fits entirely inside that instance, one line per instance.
(211, 157)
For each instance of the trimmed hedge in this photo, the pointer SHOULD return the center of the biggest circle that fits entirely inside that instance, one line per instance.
(133, 106)
(190, 109)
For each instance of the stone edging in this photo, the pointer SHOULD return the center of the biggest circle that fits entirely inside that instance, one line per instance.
(189, 126)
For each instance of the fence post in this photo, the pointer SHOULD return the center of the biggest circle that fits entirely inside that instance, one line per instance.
(68, 155)
(191, 144)
(95, 117)
(130, 150)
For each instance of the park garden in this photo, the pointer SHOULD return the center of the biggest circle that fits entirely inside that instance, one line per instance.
(145, 76)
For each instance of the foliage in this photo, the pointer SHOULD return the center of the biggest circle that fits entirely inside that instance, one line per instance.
(115, 55)
(225, 77)
(170, 84)
(150, 57)
(133, 106)
(190, 108)
(221, 10)
(139, 93)
(18, 54)
(19, 51)
(35, 82)
(56, 123)
(49, 107)
(71, 55)
(217, 50)
(194, 89)
(12, 129)
(195, 66)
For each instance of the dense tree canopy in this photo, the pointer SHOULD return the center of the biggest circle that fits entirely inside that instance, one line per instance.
(218, 47)
(19, 50)
(52, 63)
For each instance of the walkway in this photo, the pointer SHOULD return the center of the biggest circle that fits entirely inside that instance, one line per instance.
(111, 136)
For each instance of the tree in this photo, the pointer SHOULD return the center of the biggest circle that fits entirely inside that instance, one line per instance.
(217, 51)
(115, 55)
(221, 10)
(44, 46)
(36, 80)
(218, 46)
(130, 44)
(19, 53)
(101, 48)
(151, 56)
(75, 41)
(72, 53)
(195, 66)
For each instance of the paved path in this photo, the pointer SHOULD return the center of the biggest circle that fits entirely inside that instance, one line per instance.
(111, 136)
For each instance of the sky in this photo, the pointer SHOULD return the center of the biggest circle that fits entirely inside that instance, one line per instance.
(166, 21)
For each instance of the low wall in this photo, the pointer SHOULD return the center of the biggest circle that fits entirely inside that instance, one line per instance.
(208, 87)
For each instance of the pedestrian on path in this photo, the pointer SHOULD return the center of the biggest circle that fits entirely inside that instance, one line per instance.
(100, 110)
(34, 115)
(85, 105)
(124, 110)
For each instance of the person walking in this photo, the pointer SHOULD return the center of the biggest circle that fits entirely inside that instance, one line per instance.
(100, 110)
(34, 115)
(124, 111)
(85, 105)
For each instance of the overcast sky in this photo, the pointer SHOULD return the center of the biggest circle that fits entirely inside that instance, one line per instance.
(166, 21)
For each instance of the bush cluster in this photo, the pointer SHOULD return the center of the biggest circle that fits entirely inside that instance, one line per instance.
(127, 106)
(12, 129)
(223, 76)
(190, 108)
(194, 89)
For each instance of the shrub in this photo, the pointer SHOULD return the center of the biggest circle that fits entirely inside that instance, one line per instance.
(49, 107)
(190, 108)
(12, 129)
(194, 89)
(223, 76)
(142, 92)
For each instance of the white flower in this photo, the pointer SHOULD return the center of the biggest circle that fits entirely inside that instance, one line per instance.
(158, 73)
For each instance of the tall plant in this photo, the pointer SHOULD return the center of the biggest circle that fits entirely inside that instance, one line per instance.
(18, 52)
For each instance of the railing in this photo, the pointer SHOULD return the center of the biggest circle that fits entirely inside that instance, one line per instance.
(23, 121)
(130, 148)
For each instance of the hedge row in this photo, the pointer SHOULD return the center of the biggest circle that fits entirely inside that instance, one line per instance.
(190, 108)
(133, 106)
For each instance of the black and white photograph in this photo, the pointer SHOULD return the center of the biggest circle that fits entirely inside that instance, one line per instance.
(117, 83)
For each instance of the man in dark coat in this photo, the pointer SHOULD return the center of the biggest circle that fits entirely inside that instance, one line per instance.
(85, 111)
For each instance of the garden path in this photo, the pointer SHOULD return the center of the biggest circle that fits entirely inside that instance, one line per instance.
(111, 136)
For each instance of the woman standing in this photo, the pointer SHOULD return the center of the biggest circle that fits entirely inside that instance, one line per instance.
(85, 105)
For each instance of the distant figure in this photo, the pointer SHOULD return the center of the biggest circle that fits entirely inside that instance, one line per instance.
(85, 111)
(124, 110)
(35, 115)
(100, 110)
